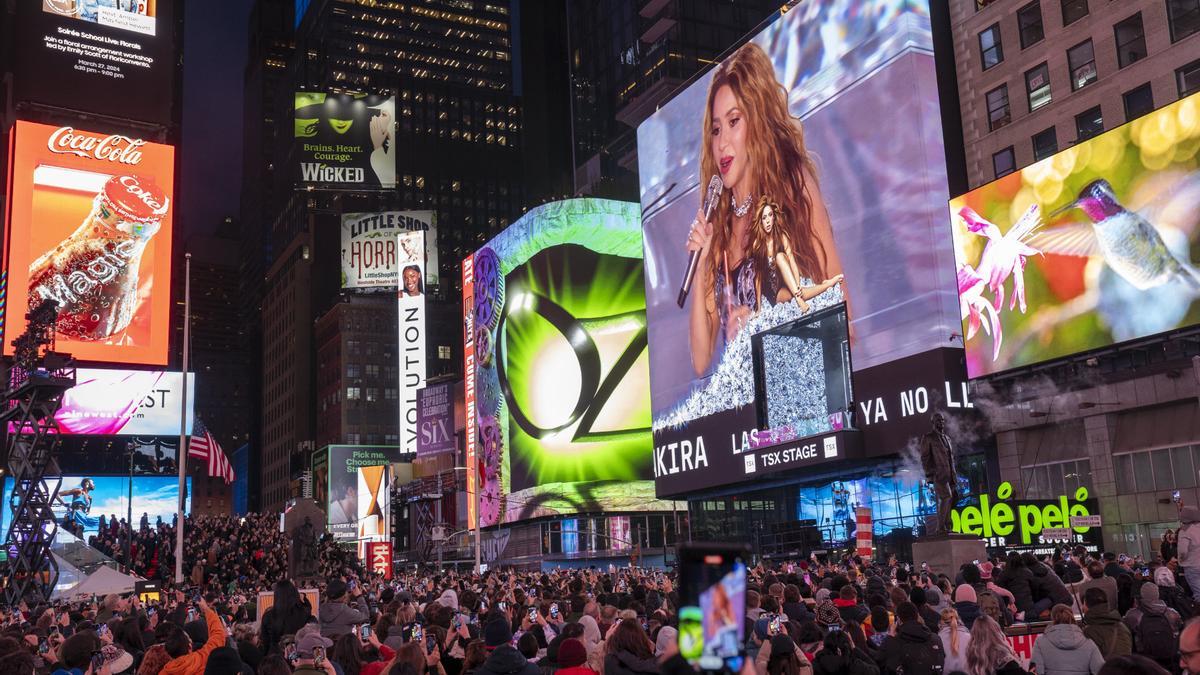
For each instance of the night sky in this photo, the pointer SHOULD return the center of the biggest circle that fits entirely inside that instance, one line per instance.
(214, 51)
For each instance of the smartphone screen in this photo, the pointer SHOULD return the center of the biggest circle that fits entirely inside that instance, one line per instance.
(430, 643)
(712, 604)
(97, 662)
(365, 632)
(533, 614)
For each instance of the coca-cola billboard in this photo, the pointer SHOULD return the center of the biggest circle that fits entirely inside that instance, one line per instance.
(113, 57)
(90, 228)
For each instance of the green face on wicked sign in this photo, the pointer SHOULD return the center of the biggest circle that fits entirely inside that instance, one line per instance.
(1025, 520)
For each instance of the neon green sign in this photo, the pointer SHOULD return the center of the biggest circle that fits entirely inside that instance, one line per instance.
(995, 518)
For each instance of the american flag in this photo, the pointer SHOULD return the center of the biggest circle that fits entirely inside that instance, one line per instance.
(202, 445)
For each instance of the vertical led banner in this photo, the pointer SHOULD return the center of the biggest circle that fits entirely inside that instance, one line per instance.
(379, 558)
(468, 286)
(410, 256)
(374, 503)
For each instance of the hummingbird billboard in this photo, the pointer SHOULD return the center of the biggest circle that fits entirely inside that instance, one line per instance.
(1087, 248)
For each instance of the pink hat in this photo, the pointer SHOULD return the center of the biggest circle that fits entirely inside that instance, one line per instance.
(965, 593)
(985, 570)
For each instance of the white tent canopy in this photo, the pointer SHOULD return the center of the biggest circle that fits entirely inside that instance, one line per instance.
(103, 581)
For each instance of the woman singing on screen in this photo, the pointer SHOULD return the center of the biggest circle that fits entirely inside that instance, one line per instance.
(757, 148)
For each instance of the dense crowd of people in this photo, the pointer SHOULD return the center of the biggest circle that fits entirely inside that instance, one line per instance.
(1092, 614)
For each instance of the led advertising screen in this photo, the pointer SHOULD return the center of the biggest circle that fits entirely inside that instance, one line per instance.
(1089, 247)
(91, 227)
(125, 403)
(345, 500)
(113, 57)
(817, 236)
(369, 253)
(558, 364)
(345, 141)
(410, 247)
(374, 503)
(83, 503)
(435, 420)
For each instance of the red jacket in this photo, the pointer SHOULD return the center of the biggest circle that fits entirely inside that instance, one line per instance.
(577, 670)
(386, 654)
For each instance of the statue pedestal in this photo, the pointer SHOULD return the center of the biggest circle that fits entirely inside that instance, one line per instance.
(945, 553)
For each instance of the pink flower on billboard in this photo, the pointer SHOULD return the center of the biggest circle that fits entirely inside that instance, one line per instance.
(972, 304)
(1005, 254)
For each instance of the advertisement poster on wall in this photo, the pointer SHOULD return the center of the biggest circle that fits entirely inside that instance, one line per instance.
(817, 237)
(112, 57)
(369, 253)
(410, 249)
(345, 141)
(90, 228)
(435, 420)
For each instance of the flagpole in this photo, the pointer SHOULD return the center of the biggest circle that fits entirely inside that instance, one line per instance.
(181, 458)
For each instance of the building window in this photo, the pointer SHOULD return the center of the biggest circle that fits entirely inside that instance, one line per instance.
(1073, 10)
(372, 370)
(391, 394)
(1037, 85)
(1088, 123)
(372, 394)
(999, 113)
(1188, 78)
(1051, 481)
(1138, 102)
(1029, 23)
(1081, 59)
(1184, 17)
(353, 393)
(1131, 40)
(1004, 162)
(991, 51)
(353, 370)
(1165, 469)
(1045, 144)
(444, 352)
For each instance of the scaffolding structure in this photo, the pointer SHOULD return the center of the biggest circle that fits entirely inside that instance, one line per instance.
(37, 379)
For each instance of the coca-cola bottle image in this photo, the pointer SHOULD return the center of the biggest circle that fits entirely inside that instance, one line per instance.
(93, 274)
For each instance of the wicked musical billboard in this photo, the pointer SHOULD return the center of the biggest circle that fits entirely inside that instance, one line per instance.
(345, 141)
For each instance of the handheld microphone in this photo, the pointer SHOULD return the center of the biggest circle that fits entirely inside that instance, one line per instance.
(715, 186)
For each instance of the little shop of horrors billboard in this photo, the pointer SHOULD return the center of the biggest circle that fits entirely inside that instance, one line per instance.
(1041, 526)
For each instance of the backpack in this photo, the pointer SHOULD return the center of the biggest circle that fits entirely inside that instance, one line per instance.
(918, 658)
(1155, 637)
(1179, 601)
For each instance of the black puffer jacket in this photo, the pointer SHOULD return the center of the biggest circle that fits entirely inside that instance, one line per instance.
(506, 660)
(1046, 584)
(624, 663)
(913, 648)
(1019, 581)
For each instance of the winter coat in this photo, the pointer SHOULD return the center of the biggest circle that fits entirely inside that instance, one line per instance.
(277, 622)
(852, 611)
(826, 662)
(624, 663)
(1103, 626)
(933, 620)
(955, 662)
(193, 663)
(967, 613)
(1019, 581)
(1188, 540)
(764, 658)
(1064, 650)
(577, 670)
(797, 611)
(506, 660)
(912, 637)
(1106, 583)
(338, 618)
(1046, 584)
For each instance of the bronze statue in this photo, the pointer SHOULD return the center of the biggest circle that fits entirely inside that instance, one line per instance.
(937, 460)
(305, 562)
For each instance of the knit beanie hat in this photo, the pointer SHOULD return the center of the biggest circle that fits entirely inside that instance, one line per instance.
(828, 615)
(965, 593)
(498, 633)
(571, 653)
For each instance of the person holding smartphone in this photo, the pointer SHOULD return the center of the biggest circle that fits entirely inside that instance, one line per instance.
(185, 661)
(336, 615)
(312, 655)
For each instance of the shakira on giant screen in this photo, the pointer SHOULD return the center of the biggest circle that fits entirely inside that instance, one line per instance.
(90, 225)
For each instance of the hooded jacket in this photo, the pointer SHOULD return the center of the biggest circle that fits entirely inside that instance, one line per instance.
(1064, 650)
(1189, 537)
(967, 612)
(1019, 581)
(911, 637)
(851, 610)
(506, 660)
(1046, 584)
(1103, 626)
(338, 618)
(193, 663)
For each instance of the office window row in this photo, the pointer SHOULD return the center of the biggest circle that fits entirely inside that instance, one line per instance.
(1129, 34)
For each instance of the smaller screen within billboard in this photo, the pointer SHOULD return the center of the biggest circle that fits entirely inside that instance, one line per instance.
(344, 141)
(125, 403)
(85, 499)
(91, 227)
(1090, 247)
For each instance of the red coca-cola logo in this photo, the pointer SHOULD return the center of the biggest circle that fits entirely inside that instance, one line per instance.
(154, 201)
(113, 148)
(137, 198)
